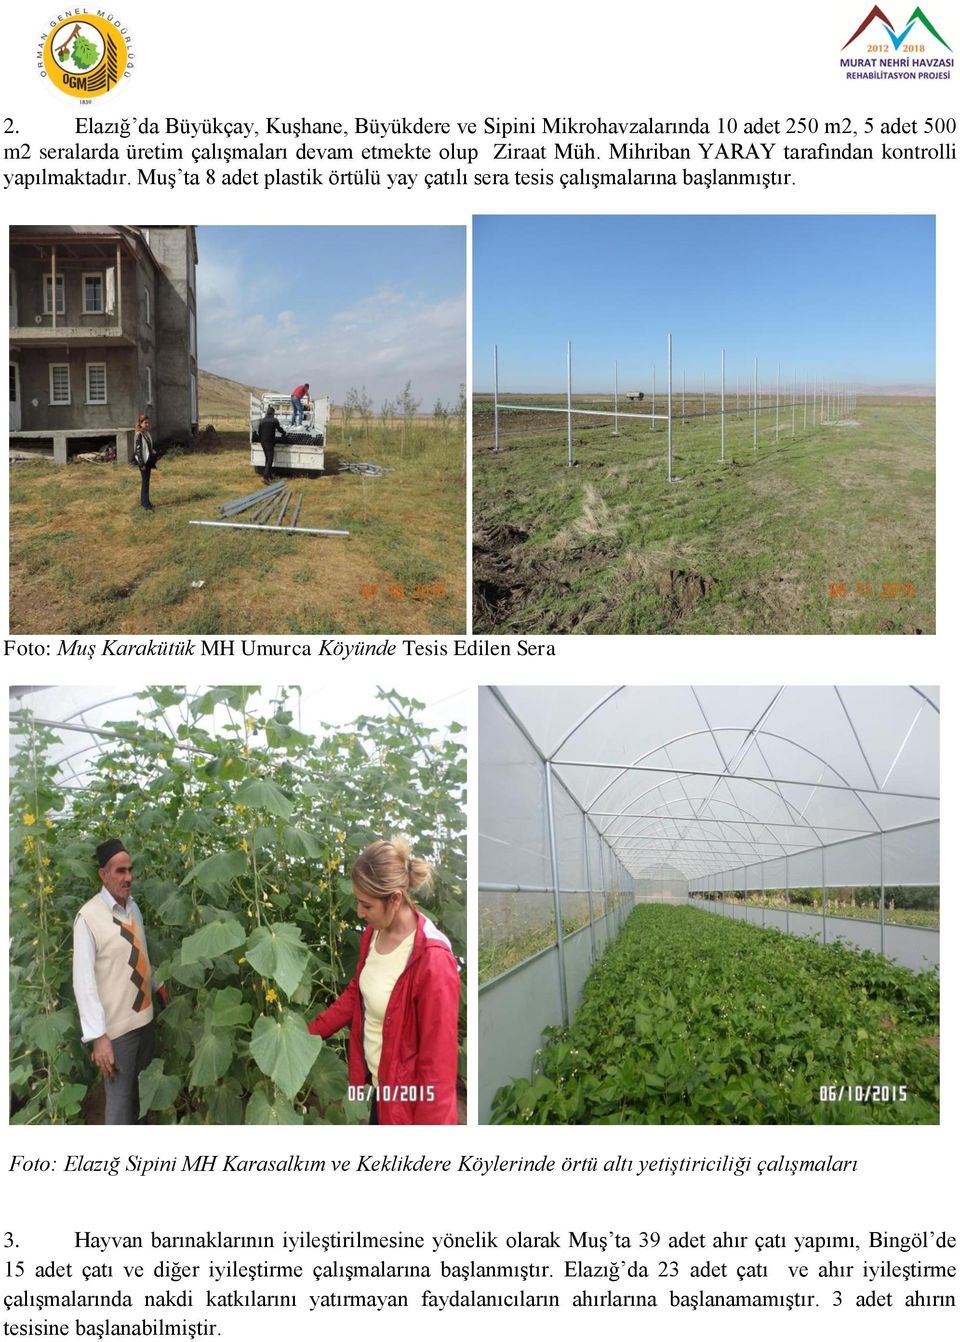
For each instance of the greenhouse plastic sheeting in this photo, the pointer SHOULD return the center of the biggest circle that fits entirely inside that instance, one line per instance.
(512, 1021)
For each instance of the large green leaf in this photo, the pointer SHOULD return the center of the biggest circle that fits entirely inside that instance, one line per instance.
(267, 1105)
(284, 1051)
(46, 1032)
(213, 940)
(259, 794)
(69, 1098)
(218, 870)
(328, 1077)
(299, 843)
(212, 1056)
(235, 696)
(225, 1103)
(191, 976)
(157, 1091)
(229, 1008)
(278, 953)
(176, 909)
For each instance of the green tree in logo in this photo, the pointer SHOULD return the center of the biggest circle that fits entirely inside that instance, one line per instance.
(84, 53)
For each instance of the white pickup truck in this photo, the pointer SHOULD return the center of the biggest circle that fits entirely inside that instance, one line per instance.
(302, 449)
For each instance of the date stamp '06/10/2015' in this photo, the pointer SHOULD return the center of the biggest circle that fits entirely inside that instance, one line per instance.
(887, 591)
(873, 1094)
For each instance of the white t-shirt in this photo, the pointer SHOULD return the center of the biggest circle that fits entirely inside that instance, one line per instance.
(379, 974)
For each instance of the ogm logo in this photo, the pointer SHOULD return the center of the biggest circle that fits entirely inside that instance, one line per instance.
(86, 56)
(898, 39)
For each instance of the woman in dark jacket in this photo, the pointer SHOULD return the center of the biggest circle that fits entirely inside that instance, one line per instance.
(145, 457)
(402, 1004)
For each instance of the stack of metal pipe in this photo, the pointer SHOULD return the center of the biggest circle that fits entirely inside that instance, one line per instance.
(269, 507)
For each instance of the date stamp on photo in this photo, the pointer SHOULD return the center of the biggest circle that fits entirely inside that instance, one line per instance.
(876, 1094)
(886, 591)
(392, 1094)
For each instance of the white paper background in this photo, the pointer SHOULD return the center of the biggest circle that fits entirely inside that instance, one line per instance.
(438, 60)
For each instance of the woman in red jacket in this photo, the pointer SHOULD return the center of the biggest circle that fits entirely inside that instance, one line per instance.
(402, 1004)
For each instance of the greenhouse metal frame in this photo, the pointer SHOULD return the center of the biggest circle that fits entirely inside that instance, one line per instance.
(691, 794)
(836, 400)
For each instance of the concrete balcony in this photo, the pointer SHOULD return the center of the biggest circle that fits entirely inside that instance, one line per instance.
(44, 334)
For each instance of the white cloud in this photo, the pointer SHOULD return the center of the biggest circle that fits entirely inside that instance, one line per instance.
(386, 338)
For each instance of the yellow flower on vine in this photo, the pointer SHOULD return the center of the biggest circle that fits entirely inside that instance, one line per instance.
(29, 818)
(183, 848)
(49, 823)
(243, 845)
(344, 926)
(46, 861)
(48, 889)
(340, 836)
(271, 995)
(239, 806)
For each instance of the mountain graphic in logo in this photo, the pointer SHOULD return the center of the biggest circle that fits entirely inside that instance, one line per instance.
(917, 16)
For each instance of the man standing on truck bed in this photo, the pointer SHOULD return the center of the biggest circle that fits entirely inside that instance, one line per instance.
(297, 398)
(267, 432)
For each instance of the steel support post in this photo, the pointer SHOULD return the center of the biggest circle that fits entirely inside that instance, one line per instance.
(777, 417)
(723, 370)
(787, 890)
(755, 394)
(496, 400)
(557, 912)
(883, 898)
(670, 408)
(603, 881)
(616, 399)
(569, 404)
(823, 892)
(586, 862)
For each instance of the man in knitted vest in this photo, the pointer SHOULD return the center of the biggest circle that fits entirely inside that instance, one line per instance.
(113, 983)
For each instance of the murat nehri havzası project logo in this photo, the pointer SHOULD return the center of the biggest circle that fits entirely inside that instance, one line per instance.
(85, 55)
(880, 50)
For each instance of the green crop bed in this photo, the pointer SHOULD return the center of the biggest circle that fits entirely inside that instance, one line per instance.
(689, 1018)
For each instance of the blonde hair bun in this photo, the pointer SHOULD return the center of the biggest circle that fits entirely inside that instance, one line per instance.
(389, 865)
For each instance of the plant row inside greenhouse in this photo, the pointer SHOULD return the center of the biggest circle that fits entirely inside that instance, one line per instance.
(690, 1019)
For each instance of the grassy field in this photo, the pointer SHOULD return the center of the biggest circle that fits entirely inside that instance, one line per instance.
(85, 558)
(760, 544)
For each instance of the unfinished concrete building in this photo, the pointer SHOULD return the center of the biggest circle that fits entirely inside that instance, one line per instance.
(103, 328)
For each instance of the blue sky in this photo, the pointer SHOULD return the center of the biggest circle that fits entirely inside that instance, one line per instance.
(846, 296)
(336, 307)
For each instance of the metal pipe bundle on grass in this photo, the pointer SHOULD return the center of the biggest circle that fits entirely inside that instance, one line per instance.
(235, 506)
